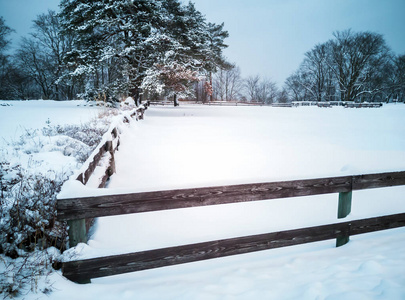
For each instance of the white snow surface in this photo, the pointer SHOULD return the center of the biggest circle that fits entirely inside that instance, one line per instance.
(18, 116)
(196, 146)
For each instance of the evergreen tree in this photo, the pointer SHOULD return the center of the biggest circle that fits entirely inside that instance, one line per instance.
(117, 44)
(110, 33)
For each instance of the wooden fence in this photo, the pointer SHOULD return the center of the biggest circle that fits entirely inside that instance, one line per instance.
(345, 104)
(289, 104)
(78, 228)
(90, 207)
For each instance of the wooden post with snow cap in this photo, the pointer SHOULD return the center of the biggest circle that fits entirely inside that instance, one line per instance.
(344, 209)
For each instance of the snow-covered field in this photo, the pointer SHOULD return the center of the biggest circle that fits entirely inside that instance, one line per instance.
(193, 146)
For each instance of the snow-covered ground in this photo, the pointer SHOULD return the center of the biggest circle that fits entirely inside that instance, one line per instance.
(195, 146)
(18, 116)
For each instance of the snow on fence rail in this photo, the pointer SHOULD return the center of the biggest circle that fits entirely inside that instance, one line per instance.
(89, 207)
(108, 145)
(105, 151)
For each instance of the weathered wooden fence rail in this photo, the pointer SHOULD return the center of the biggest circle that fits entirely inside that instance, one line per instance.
(110, 146)
(83, 270)
(91, 207)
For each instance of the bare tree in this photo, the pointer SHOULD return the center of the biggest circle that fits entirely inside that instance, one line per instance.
(316, 65)
(399, 78)
(350, 67)
(227, 84)
(295, 87)
(251, 87)
(40, 58)
(5, 92)
(266, 91)
(352, 56)
(33, 62)
(282, 97)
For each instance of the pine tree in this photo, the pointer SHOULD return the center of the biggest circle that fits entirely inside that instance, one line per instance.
(138, 38)
(110, 33)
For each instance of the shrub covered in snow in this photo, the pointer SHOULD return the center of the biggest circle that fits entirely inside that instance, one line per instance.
(28, 223)
(28, 213)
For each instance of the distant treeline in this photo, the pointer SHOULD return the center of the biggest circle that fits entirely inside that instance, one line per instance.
(353, 66)
(156, 49)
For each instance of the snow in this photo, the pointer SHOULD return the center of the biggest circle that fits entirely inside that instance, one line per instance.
(227, 145)
(195, 146)
(22, 115)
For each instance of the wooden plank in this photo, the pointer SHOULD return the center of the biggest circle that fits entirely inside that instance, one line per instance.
(118, 264)
(78, 208)
(380, 180)
(162, 200)
(84, 177)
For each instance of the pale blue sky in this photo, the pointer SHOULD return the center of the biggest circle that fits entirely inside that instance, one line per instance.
(267, 37)
(270, 37)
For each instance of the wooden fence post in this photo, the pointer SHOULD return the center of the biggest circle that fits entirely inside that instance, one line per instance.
(344, 209)
(78, 234)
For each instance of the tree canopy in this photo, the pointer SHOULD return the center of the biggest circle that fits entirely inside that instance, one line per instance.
(119, 44)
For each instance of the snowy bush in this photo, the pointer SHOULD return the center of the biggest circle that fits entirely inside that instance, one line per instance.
(28, 213)
(28, 226)
(75, 140)
(21, 275)
(28, 197)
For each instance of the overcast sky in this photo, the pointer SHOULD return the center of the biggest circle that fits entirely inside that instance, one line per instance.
(267, 37)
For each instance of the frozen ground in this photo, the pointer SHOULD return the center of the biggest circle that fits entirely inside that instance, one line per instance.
(203, 146)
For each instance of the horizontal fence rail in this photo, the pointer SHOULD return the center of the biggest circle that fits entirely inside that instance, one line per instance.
(91, 207)
(84, 270)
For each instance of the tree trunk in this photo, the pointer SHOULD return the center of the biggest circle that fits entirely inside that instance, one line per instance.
(211, 96)
(176, 103)
(134, 93)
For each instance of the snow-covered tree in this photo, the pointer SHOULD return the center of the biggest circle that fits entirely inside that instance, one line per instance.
(134, 37)
(110, 33)
(213, 56)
